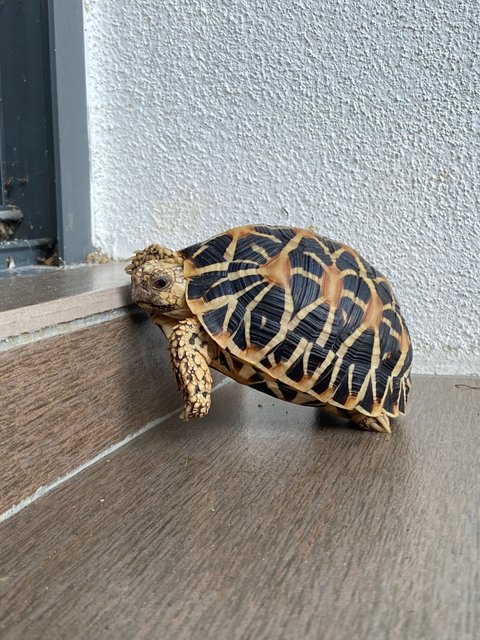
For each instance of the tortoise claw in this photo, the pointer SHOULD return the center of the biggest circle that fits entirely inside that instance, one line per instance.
(380, 424)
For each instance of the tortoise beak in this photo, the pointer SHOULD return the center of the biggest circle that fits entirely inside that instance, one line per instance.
(139, 292)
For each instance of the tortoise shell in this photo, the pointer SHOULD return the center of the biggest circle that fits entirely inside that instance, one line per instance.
(305, 311)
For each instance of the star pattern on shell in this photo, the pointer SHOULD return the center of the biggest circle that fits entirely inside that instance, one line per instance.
(308, 315)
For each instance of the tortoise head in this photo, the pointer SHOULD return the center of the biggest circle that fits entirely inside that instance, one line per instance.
(158, 282)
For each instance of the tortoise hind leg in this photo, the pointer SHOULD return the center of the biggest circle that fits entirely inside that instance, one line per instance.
(188, 345)
(380, 423)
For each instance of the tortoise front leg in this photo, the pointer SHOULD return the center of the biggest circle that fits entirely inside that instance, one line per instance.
(188, 345)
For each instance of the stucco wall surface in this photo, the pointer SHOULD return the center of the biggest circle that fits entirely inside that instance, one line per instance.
(359, 117)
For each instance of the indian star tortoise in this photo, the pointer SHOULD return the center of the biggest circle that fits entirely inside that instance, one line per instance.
(282, 310)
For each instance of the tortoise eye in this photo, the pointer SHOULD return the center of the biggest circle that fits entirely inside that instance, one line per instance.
(160, 283)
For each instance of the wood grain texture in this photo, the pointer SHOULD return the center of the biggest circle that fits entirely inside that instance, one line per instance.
(65, 399)
(17, 291)
(262, 521)
(31, 302)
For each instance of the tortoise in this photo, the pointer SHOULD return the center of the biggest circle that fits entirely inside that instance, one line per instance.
(285, 311)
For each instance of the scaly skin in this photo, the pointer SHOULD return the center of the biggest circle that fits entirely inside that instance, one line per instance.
(159, 286)
(188, 345)
(380, 423)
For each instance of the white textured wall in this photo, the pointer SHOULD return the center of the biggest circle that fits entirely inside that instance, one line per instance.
(358, 117)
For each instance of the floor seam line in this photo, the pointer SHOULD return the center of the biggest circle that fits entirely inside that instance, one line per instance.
(46, 489)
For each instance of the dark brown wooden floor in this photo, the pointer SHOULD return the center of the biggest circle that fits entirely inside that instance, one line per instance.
(261, 522)
(51, 285)
(65, 399)
(35, 301)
